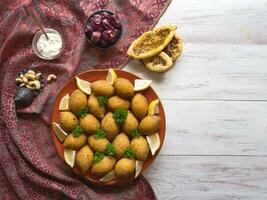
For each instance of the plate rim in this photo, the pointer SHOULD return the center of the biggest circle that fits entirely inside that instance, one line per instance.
(77, 171)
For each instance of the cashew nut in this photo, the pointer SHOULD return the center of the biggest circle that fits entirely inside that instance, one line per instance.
(34, 85)
(31, 72)
(19, 80)
(25, 80)
(37, 76)
(30, 87)
(51, 77)
(22, 84)
(30, 77)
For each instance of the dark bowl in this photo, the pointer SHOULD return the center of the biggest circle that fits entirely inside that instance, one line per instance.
(87, 21)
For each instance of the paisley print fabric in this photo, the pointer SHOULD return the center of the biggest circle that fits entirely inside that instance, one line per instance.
(30, 167)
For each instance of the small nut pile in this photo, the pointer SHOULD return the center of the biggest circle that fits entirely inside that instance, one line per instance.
(30, 79)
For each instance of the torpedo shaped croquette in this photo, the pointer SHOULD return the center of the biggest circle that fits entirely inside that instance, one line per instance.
(84, 158)
(102, 88)
(77, 101)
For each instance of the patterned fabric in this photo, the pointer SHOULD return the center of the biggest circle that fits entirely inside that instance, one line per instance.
(30, 167)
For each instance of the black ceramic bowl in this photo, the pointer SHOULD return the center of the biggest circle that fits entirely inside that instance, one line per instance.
(110, 28)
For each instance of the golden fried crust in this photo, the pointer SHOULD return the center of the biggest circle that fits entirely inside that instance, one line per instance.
(130, 124)
(75, 143)
(124, 168)
(104, 166)
(140, 148)
(149, 125)
(68, 121)
(121, 143)
(89, 124)
(124, 88)
(97, 144)
(116, 102)
(102, 88)
(139, 106)
(84, 158)
(109, 126)
(77, 101)
(95, 108)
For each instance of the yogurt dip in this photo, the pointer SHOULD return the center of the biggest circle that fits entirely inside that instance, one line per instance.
(50, 48)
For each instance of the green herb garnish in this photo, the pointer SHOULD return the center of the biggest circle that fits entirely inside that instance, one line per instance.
(83, 112)
(77, 131)
(128, 153)
(102, 100)
(110, 150)
(100, 133)
(135, 133)
(98, 157)
(120, 116)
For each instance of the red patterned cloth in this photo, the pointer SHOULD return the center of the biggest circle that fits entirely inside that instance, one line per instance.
(30, 167)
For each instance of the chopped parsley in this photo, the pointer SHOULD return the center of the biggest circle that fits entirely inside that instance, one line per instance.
(83, 112)
(77, 131)
(110, 150)
(128, 153)
(102, 100)
(98, 157)
(120, 116)
(100, 133)
(135, 133)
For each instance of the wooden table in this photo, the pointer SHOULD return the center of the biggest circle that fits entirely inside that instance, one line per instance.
(215, 99)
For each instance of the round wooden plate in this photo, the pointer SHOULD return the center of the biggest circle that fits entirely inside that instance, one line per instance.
(92, 76)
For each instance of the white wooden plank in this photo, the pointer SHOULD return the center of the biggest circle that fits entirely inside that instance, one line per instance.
(209, 178)
(223, 21)
(215, 128)
(212, 71)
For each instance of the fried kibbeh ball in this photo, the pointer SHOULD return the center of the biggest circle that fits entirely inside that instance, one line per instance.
(84, 158)
(102, 88)
(109, 126)
(130, 124)
(75, 142)
(149, 125)
(121, 143)
(77, 101)
(103, 166)
(98, 144)
(140, 147)
(95, 108)
(139, 106)
(124, 88)
(124, 168)
(117, 102)
(68, 121)
(90, 124)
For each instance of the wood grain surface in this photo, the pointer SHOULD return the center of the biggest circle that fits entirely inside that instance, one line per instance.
(215, 99)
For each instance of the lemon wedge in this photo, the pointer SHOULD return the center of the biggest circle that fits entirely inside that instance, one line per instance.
(83, 85)
(69, 156)
(60, 133)
(108, 177)
(138, 167)
(64, 103)
(152, 42)
(153, 107)
(153, 142)
(140, 84)
(111, 77)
